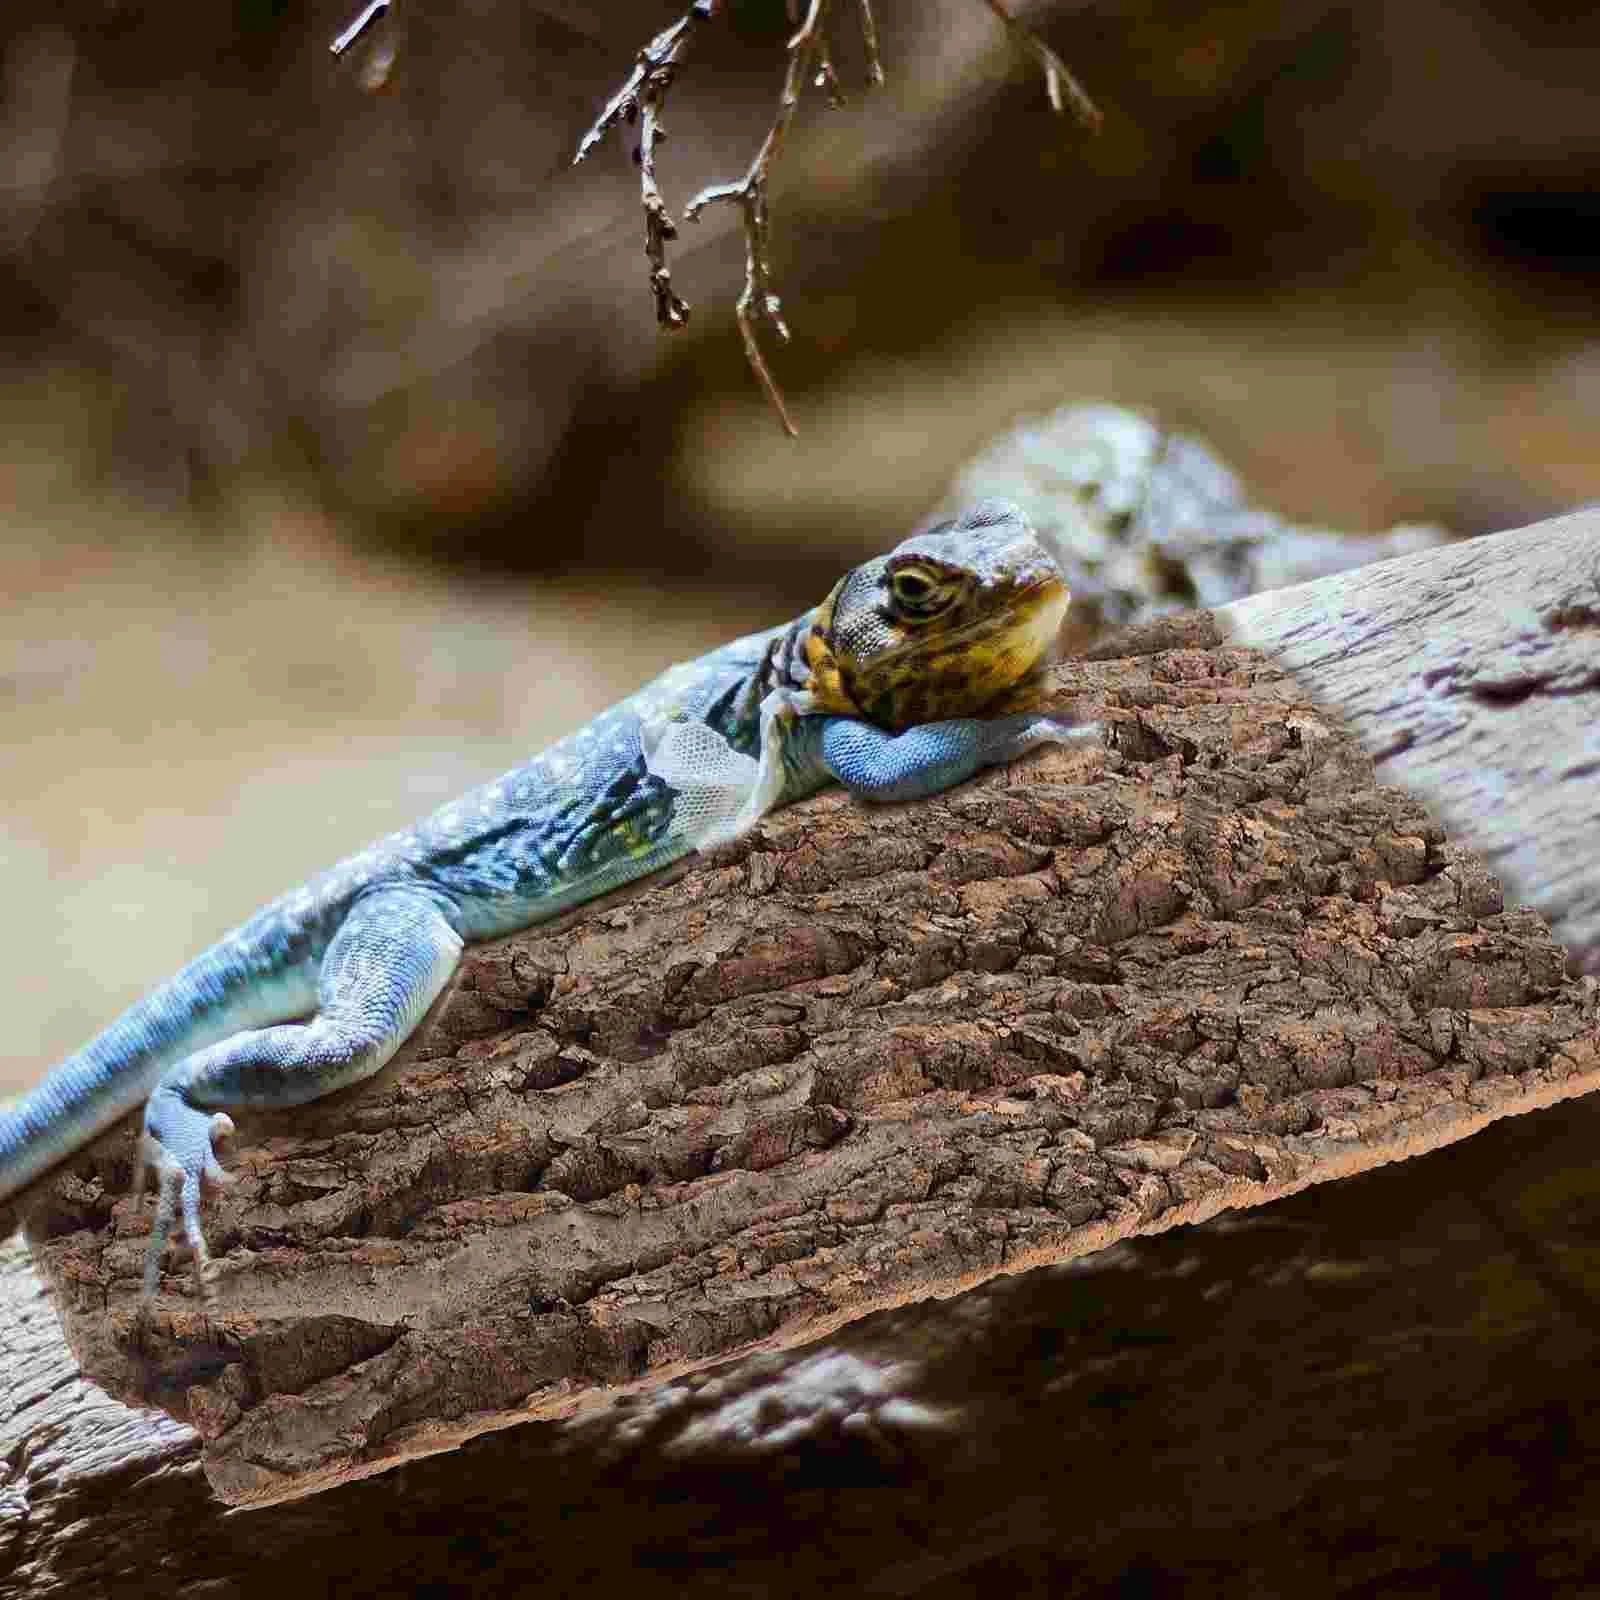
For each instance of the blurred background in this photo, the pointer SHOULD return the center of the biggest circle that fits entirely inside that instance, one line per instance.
(343, 463)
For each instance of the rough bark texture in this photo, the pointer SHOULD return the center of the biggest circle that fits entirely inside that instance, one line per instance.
(1473, 675)
(859, 1058)
(1380, 1387)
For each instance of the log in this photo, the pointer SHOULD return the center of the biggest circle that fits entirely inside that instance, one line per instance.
(1371, 1388)
(1470, 674)
(863, 1057)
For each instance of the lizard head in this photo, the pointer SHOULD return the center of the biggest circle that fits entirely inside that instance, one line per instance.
(959, 620)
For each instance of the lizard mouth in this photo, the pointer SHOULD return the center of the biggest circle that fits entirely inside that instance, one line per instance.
(1041, 608)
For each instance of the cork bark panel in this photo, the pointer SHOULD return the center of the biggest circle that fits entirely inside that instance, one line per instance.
(863, 1056)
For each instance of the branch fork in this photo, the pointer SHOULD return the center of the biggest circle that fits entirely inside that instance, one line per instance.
(642, 100)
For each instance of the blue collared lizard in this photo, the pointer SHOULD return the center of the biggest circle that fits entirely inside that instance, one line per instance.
(918, 669)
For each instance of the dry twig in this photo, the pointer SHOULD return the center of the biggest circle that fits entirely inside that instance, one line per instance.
(810, 57)
(359, 26)
(808, 53)
(642, 99)
(377, 69)
(869, 42)
(1066, 93)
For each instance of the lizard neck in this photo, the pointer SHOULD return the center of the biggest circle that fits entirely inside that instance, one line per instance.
(802, 658)
(797, 660)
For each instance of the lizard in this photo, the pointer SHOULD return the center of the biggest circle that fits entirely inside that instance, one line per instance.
(918, 669)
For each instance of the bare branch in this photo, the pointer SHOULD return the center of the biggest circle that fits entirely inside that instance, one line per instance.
(759, 301)
(869, 40)
(827, 79)
(377, 67)
(359, 26)
(808, 51)
(672, 310)
(651, 77)
(1065, 91)
(643, 97)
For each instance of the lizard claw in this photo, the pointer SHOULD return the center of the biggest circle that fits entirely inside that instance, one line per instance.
(179, 1143)
(1058, 730)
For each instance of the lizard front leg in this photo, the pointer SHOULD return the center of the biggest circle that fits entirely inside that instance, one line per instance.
(391, 958)
(882, 767)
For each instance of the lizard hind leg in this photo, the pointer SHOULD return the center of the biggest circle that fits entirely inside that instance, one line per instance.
(390, 960)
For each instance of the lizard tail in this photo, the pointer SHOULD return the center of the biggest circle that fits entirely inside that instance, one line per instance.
(248, 980)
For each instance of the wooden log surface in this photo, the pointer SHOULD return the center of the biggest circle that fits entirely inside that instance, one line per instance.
(859, 1058)
(1471, 675)
(1378, 1387)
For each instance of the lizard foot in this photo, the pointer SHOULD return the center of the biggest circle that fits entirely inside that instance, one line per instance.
(179, 1143)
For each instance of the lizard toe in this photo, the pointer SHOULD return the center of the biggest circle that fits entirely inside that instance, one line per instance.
(179, 1146)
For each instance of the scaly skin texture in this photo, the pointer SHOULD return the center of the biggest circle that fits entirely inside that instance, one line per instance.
(915, 672)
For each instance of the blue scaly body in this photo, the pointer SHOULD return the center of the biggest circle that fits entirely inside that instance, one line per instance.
(909, 677)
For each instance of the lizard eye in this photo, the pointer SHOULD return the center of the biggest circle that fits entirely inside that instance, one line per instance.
(919, 591)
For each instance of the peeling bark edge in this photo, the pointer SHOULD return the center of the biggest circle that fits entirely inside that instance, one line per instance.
(1472, 675)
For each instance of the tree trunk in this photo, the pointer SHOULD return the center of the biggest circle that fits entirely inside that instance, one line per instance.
(867, 1056)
